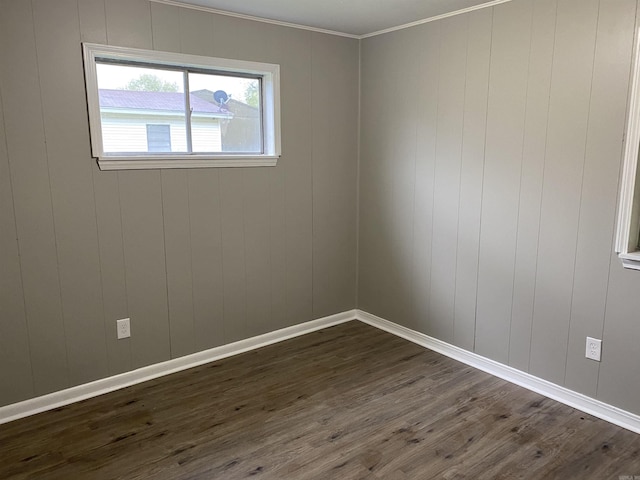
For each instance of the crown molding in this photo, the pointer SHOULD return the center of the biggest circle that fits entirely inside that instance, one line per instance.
(177, 3)
(492, 3)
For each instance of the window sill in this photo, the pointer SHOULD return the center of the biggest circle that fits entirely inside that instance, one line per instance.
(185, 161)
(630, 260)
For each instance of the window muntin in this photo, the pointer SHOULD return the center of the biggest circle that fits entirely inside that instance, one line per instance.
(218, 112)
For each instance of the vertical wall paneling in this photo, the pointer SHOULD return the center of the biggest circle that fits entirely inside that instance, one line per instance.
(565, 156)
(533, 153)
(297, 160)
(258, 264)
(277, 246)
(165, 27)
(197, 31)
(400, 108)
(254, 41)
(144, 253)
(61, 83)
(321, 92)
(198, 35)
(387, 213)
(278, 199)
(376, 152)
(426, 125)
(471, 175)
(206, 245)
(92, 18)
(14, 338)
(290, 234)
(25, 137)
(334, 133)
(510, 51)
(295, 64)
(599, 188)
(129, 24)
(248, 302)
(177, 239)
(290, 185)
(112, 266)
(245, 216)
(233, 265)
(93, 29)
(451, 98)
(619, 378)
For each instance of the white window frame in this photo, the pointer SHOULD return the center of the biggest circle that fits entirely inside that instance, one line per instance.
(270, 96)
(627, 244)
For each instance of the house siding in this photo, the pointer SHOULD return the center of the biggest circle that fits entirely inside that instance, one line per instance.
(125, 133)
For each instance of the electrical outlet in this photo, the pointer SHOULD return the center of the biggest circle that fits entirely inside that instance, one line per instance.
(124, 328)
(594, 349)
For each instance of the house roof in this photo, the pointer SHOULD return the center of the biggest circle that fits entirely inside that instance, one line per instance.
(165, 101)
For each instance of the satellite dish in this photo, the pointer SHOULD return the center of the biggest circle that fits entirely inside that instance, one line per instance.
(221, 97)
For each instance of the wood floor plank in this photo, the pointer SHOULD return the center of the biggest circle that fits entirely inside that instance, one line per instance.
(347, 402)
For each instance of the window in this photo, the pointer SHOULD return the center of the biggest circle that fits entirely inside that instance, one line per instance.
(628, 227)
(151, 109)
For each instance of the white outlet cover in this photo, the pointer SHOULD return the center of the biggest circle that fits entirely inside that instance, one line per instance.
(123, 327)
(593, 349)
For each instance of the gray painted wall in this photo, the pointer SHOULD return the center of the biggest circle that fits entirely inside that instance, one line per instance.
(196, 258)
(491, 148)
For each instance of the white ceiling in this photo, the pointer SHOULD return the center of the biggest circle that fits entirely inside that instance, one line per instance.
(354, 17)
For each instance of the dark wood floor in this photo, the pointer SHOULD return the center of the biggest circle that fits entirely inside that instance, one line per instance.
(348, 402)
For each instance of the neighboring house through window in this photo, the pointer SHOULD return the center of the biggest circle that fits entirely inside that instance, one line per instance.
(134, 121)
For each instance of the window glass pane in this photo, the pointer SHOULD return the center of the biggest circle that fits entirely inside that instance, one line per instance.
(132, 99)
(225, 113)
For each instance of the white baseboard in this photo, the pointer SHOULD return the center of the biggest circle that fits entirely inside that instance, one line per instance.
(576, 400)
(105, 385)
